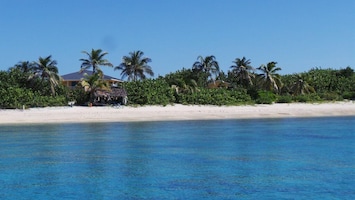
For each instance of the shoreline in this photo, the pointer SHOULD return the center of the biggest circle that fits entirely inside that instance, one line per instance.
(177, 112)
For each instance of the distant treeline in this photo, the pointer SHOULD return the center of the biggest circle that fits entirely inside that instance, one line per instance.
(38, 84)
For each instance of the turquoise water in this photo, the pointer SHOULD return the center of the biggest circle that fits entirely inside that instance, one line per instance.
(311, 158)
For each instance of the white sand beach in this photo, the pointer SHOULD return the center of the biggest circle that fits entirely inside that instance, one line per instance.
(79, 114)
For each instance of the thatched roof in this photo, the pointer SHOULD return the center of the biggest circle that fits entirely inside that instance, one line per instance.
(114, 92)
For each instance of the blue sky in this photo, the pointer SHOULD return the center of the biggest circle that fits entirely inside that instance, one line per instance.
(299, 35)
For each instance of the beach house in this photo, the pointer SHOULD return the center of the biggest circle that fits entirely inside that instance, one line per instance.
(116, 95)
(72, 79)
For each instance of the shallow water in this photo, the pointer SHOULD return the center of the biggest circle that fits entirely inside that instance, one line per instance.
(310, 158)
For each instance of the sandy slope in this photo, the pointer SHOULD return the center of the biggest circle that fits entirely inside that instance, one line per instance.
(175, 112)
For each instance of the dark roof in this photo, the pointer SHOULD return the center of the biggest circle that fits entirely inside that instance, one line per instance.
(79, 75)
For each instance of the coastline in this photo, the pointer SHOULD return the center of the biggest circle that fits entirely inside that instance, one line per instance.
(77, 114)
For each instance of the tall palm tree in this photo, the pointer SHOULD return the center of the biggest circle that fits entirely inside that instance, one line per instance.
(269, 78)
(46, 68)
(95, 60)
(207, 64)
(135, 66)
(243, 71)
(300, 86)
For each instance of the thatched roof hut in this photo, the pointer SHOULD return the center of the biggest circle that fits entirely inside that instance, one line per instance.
(115, 95)
(114, 92)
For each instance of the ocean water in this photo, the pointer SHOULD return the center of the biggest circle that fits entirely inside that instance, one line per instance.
(292, 158)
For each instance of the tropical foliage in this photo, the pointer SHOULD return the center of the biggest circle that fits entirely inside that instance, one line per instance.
(207, 65)
(243, 71)
(17, 91)
(269, 79)
(46, 69)
(24, 66)
(300, 86)
(149, 92)
(184, 81)
(216, 97)
(135, 66)
(95, 60)
(37, 83)
(91, 83)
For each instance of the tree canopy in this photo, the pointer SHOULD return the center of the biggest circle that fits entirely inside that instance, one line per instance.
(135, 66)
(95, 60)
(243, 71)
(206, 64)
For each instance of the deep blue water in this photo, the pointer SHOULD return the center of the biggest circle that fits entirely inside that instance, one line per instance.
(312, 158)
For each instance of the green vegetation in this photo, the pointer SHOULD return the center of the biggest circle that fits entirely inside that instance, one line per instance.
(91, 83)
(243, 72)
(149, 92)
(135, 66)
(208, 65)
(95, 60)
(31, 85)
(37, 84)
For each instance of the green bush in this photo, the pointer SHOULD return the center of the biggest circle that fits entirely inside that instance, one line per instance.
(14, 97)
(216, 96)
(301, 98)
(349, 95)
(265, 97)
(79, 95)
(284, 99)
(149, 92)
(44, 101)
(307, 98)
(330, 96)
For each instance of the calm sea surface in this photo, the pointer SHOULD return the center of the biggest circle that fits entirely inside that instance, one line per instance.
(311, 158)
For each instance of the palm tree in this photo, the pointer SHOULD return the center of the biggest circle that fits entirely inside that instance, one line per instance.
(95, 60)
(135, 66)
(300, 86)
(184, 86)
(208, 65)
(46, 68)
(269, 78)
(243, 71)
(24, 66)
(182, 81)
(93, 82)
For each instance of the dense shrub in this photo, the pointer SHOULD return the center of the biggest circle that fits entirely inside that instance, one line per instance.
(284, 99)
(349, 95)
(16, 91)
(13, 97)
(330, 96)
(307, 98)
(265, 97)
(301, 98)
(79, 95)
(215, 97)
(44, 101)
(149, 92)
